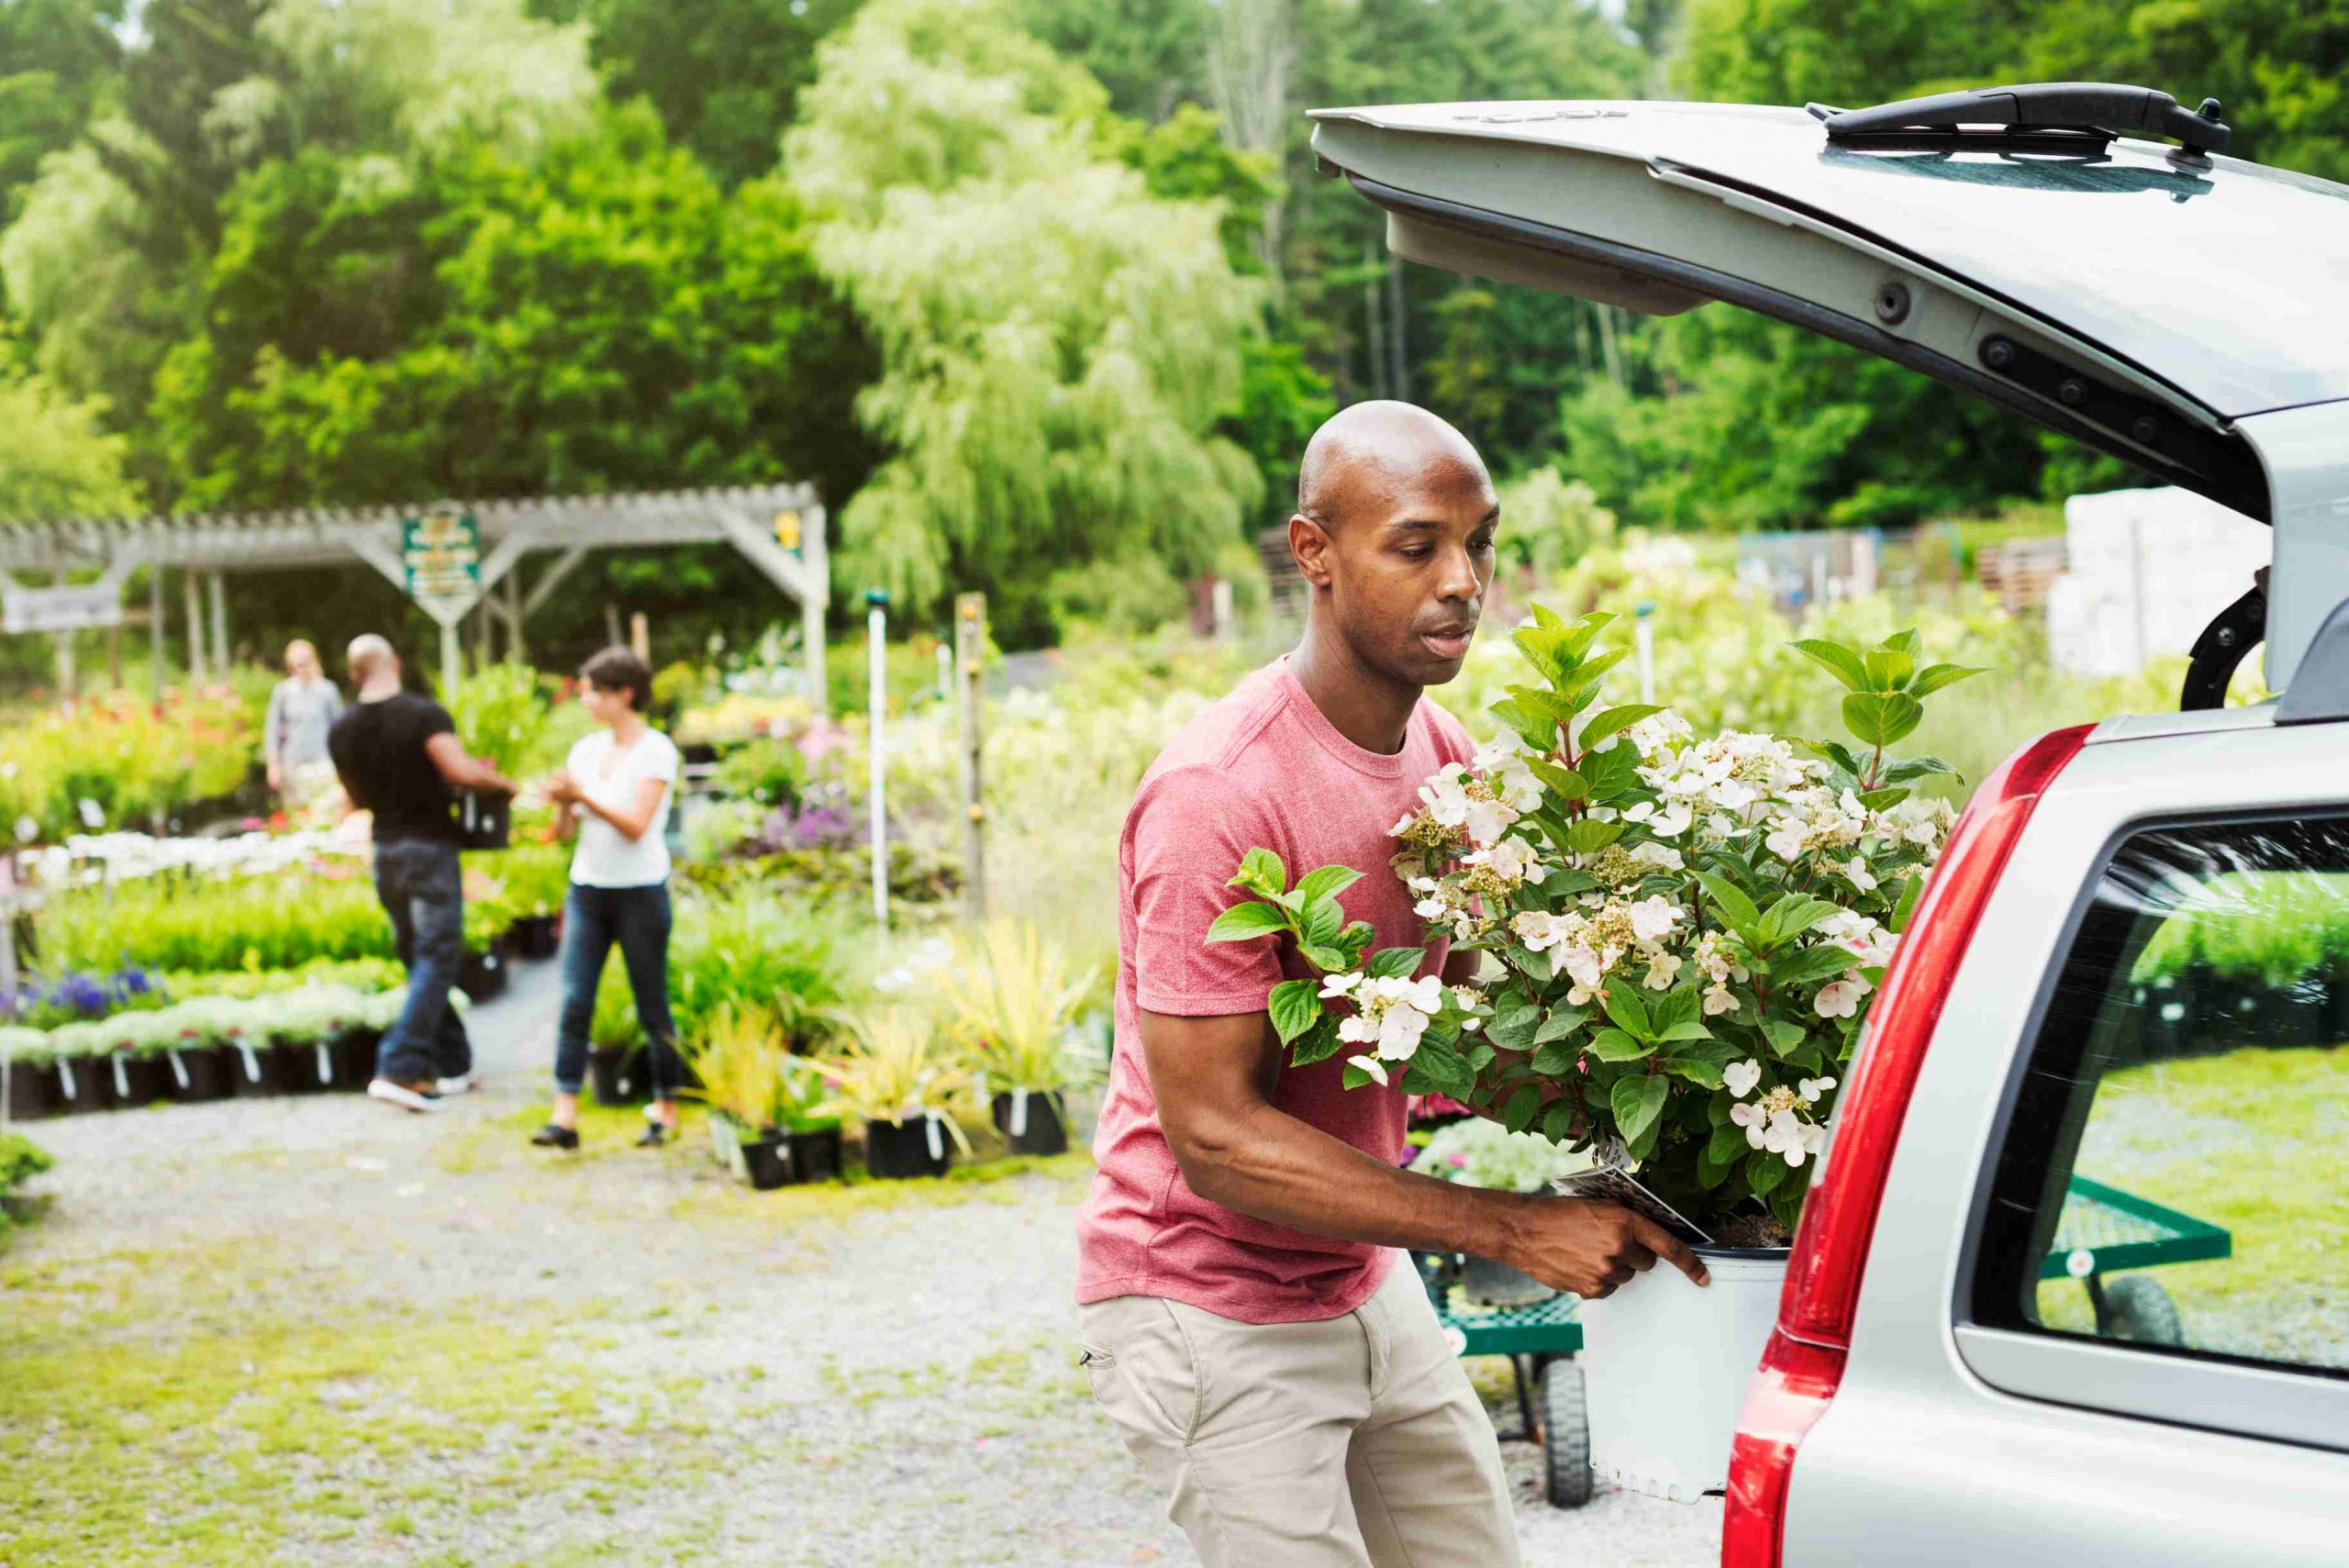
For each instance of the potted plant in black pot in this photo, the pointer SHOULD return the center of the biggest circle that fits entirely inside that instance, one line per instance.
(741, 1059)
(615, 1053)
(898, 1073)
(1012, 998)
(32, 1077)
(78, 1057)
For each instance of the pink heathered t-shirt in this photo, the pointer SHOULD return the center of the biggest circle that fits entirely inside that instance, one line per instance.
(1262, 767)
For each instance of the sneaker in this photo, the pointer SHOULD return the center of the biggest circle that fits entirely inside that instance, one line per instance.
(655, 1135)
(464, 1086)
(553, 1137)
(400, 1095)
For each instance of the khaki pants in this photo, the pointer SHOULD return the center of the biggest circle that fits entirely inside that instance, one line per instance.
(1354, 1443)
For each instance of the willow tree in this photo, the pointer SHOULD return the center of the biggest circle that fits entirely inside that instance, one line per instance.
(1057, 345)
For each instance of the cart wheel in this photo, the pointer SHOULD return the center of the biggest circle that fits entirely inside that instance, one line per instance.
(2137, 1308)
(1566, 1434)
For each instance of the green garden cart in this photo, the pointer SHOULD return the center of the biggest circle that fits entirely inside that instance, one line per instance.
(2103, 1232)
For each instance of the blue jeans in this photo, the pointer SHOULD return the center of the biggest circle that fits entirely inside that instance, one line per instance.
(423, 891)
(637, 918)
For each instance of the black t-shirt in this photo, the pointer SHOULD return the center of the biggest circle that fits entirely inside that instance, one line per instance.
(378, 748)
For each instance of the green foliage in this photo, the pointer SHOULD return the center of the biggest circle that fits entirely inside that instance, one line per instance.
(57, 460)
(1057, 345)
(173, 923)
(791, 960)
(134, 764)
(508, 714)
(1476, 1153)
(20, 1158)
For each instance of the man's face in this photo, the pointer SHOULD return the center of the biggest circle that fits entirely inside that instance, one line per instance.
(1407, 559)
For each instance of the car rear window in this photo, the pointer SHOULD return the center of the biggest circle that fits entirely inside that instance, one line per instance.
(2176, 1172)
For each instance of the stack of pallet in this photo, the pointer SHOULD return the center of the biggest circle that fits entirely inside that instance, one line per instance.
(2020, 569)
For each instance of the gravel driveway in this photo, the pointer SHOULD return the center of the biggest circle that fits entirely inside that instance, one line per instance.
(315, 1331)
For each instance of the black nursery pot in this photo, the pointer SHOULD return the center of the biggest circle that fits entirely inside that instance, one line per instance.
(139, 1080)
(354, 1057)
(248, 1069)
(32, 1091)
(1043, 1131)
(84, 1083)
(204, 1073)
(291, 1069)
(482, 974)
(532, 937)
(815, 1155)
(896, 1151)
(767, 1159)
(617, 1073)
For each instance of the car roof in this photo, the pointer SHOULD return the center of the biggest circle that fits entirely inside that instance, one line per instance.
(2226, 279)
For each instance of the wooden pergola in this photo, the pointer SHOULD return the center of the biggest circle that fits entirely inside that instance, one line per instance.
(780, 528)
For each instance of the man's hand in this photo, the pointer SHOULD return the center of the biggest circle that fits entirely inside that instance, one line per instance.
(1591, 1248)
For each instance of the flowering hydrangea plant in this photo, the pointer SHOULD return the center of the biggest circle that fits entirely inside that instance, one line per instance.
(1683, 932)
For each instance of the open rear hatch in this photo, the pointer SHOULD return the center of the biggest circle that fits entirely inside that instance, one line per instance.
(2180, 310)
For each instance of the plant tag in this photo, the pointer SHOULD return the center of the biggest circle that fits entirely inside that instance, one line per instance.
(121, 1084)
(179, 1067)
(979, 1088)
(936, 1141)
(252, 1063)
(1018, 1113)
(66, 1075)
(325, 1063)
(1606, 1185)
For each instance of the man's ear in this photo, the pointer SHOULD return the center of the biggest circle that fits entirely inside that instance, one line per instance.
(1310, 542)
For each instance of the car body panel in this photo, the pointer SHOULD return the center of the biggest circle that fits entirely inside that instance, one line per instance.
(1920, 1457)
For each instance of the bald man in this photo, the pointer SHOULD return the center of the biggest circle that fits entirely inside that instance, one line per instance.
(400, 759)
(1246, 1319)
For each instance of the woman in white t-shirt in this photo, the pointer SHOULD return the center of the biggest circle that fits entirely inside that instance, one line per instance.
(614, 790)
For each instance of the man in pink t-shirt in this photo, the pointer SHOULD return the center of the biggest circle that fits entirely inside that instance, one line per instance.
(1243, 1320)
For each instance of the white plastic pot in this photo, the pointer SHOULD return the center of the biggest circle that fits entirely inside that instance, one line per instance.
(1667, 1366)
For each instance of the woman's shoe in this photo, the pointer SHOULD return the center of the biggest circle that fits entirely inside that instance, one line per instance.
(655, 1135)
(553, 1137)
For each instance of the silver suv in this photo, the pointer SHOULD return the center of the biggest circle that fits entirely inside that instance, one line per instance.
(2073, 1282)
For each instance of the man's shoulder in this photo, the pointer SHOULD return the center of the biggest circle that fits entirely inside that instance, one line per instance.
(1221, 737)
(1451, 737)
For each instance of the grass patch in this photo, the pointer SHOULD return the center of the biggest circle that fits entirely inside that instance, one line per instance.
(2256, 1141)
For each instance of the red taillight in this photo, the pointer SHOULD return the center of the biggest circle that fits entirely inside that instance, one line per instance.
(1805, 1360)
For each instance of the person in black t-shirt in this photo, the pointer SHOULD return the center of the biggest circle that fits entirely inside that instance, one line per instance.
(400, 759)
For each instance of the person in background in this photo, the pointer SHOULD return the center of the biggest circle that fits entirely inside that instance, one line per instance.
(614, 790)
(399, 758)
(302, 708)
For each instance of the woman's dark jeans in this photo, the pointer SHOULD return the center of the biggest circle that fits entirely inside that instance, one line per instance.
(637, 918)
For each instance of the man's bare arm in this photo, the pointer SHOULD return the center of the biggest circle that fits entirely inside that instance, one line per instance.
(1212, 1078)
(463, 771)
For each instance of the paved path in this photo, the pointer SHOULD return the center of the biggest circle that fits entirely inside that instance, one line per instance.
(314, 1331)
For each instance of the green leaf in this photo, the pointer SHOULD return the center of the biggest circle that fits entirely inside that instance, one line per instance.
(1515, 1018)
(1933, 677)
(1541, 733)
(1910, 768)
(1394, 963)
(1329, 961)
(1730, 902)
(1563, 1021)
(1614, 1045)
(1637, 1101)
(1296, 1006)
(1553, 1060)
(1558, 1121)
(1564, 783)
(1261, 871)
(1793, 915)
(1319, 1043)
(1624, 1006)
(1584, 633)
(1589, 835)
(1882, 800)
(1881, 718)
(1912, 886)
(1782, 1036)
(1696, 1069)
(1327, 883)
(1836, 752)
(1901, 642)
(1354, 1077)
(1727, 1145)
(1548, 619)
(1837, 660)
(1522, 1107)
(1356, 936)
(1243, 921)
(1323, 920)
(1541, 647)
(1888, 669)
(1763, 1172)
(1440, 1070)
(1534, 967)
(1811, 964)
(1610, 773)
(1608, 723)
(1686, 1029)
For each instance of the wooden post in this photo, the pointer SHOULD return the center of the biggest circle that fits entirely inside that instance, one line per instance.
(219, 628)
(66, 679)
(194, 597)
(611, 624)
(969, 656)
(640, 635)
(515, 649)
(155, 628)
(816, 561)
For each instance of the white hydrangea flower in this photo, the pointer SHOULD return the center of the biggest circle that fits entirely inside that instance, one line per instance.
(1809, 1089)
(1840, 998)
(1739, 1077)
(1370, 1066)
(1655, 917)
(1340, 986)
